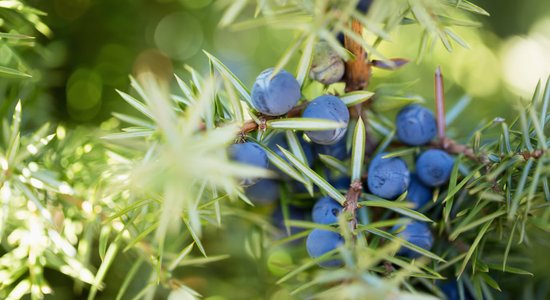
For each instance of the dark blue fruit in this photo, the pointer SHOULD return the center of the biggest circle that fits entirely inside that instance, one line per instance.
(418, 193)
(416, 233)
(451, 290)
(250, 154)
(299, 188)
(340, 183)
(331, 108)
(294, 213)
(320, 242)
(337, 150)
(326, 211)
(364, 5)
(416, 125)
(434, 167)
(275, 96)
(265, 191)
(388, 177)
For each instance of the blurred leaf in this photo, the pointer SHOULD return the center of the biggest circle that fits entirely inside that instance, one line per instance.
(12, 73)
(387, 102)
(405, 244)
(333, 163)
(102, 271)
(398, 207)
(358, 150)
(357, 97)
(467, 5)
(304, 124)
(225, 72)
(302, 70)
(473, 247)
(136, 104)
(232, 12)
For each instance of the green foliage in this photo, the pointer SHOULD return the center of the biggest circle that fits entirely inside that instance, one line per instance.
(159, 197)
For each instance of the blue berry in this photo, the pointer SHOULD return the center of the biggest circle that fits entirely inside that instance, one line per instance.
(264, 191)
(327, 66)
(250, 154)
(294, 213)
(416, 233)
(341, 38)
(416, 125)
(388, 177)
(331, 108)
(320, 242)
(337, 150)
(434, 167)
(326, 211)
(364, 5)
(418, 193)
(450, 289)
(299, 188)
(341, 183)
(275, 96)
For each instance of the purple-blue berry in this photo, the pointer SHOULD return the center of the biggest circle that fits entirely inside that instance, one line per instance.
(251, 154)
(416, 233)
(364, 5)
(265, 191)
(331, 108)
(418, 193)
(434, 167)
(387, 177)
(326, 211)
(341, 183)
(320, 242)
(294, 213)
(451, 290)
(416, 125)
(275, 96)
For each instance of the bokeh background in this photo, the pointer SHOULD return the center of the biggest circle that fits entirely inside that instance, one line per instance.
(97, 43)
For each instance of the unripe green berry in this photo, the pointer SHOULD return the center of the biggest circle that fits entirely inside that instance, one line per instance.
(326, 67)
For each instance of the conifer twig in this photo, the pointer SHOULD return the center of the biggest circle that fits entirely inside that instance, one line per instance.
(357, 76)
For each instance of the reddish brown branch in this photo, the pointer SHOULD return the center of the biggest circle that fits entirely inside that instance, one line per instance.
(358, 70)
(453, 147)
(357, 76)
(352, 197)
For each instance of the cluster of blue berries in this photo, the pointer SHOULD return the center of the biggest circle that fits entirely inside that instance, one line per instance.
(388, 176)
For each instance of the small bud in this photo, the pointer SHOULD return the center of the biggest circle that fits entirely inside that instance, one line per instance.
(327, 67)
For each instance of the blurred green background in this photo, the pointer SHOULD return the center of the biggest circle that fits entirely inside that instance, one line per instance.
(96, 44)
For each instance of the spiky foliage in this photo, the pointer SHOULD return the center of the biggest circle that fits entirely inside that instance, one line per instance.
(155, 195)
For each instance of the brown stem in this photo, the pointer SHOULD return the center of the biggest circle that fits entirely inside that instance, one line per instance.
(357, 76)
(453, 147)
(358, 70)
(352, 197)
(388, 267)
